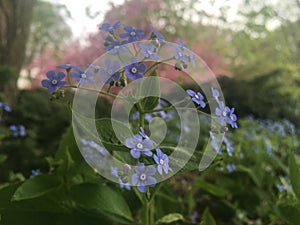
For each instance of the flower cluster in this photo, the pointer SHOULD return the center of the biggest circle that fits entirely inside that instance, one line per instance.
(16, 130)
(4, 107)
(116, 72)
(126, 62)
(142, 144)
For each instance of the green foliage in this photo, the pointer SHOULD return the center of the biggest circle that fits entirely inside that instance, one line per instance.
(149, 87)
(170, 218)
(45, 123)
(36, 187)
(102, 199)
(7, 73)
(48, 29)
(294, 174)
(207, 218)
(274, 95)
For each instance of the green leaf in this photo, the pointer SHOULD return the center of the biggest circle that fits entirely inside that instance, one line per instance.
(211, 188)
(207, 218)
(106, 132)
(294, 175)
(170, 218)
(151, 88)
(104, 200)
(182, 154)
(36, 186)
(108, 136)
(291, 213)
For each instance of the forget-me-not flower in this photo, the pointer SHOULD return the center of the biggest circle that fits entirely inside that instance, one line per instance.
(143, 177)
(197, 98)
(138, 146)
(148, 51)
(132, 33)
(134, 70)
(54, 81)
(162, 161)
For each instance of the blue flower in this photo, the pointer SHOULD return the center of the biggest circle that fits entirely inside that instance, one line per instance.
(215, 143)
(182, 44)
(111, 71)
(229, 147)
(143, 134)
(197, 98)
(17, 130)
(114, 171)
(132, 34)
(22, 131)
(158, 35)
(116, 47)
(182, 53)
(82, 76)
(269, 149)
(148, 51)
(215, 94)
(35, 172)
(108, 28)
(54, 81)
(5, 107)
(143, 177)
(124, 184)
(162, 161)
(226, 115)
(134, 70)
(180, 56)
(94, 154)
(138, 145)
(123, 181)
(67, 67)
(231, 167)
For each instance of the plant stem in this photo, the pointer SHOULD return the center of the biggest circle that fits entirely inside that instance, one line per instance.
(173, 108)
(157, 63)
(142, 114)
(68, 77)
(145, 218)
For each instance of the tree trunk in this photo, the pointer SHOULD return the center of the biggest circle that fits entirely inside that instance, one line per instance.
(15, 20)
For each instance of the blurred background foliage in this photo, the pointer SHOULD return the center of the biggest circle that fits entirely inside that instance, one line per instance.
(254, 54)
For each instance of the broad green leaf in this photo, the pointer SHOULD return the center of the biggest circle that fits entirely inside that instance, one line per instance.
(183, 153)
(6, 194)
(207, 218)
(36, 187)
(68, 150)
(170, 218)
(106, 132)
(210, 188)
(151, 88)
(294, 175)
(108, 136)
(291, 213)
(103, 200)
(53, 201)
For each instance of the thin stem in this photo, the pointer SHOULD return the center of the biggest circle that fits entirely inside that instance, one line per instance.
(157, 63)
(68, 77)
(136, 52)
(142, 114)
(173, 108)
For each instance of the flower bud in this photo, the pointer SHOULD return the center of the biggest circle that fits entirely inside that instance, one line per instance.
(127, 168)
